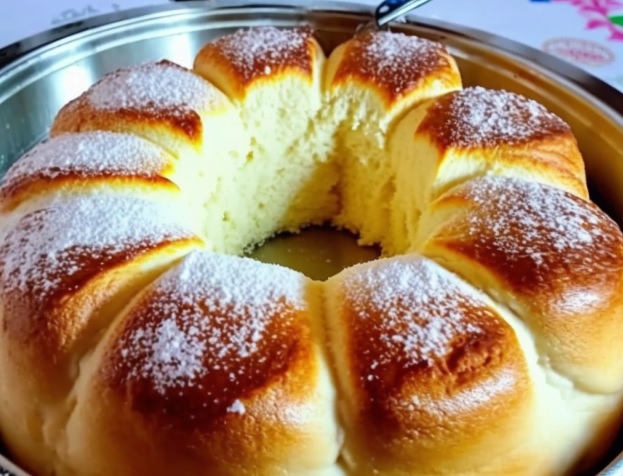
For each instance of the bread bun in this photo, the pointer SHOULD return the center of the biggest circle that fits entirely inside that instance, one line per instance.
(551, 257)
(203, 364)
(274, 77)
(134, 342)
(99, 160)
(67, 270)
(430, 375)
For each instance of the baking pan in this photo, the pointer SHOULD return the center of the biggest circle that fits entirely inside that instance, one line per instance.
(42, 73)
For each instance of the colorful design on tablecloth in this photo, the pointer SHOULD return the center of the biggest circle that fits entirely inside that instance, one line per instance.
(580, 50)
(81, 13)
(601, 14)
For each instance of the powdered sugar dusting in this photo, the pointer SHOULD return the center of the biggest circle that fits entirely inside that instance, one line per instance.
(265, 50)
(550, 227)
(176, 355)
(476, 117)
(417, 308)
(89, 154)
(395, 60)
(155, 87)
(215, 313)
(237, 407)
(50, 246)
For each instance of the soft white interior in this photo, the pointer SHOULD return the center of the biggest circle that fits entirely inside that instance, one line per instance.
(310, 155)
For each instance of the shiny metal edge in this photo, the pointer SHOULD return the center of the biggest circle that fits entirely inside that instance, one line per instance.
(7, 468)
(15, 53)
(34, 48)
(613, 469)
(47, 46)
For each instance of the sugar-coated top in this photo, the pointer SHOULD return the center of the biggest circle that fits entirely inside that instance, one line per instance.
(162, 86)
(554, 258)
(89, 154)
(150, 99)
(550, 221)
(418, 309)
(211, 331)
(239, 295)
(53, 250)
(480, 117)
(261, 51)
(396, 63)
(421, 341)
(544, 241)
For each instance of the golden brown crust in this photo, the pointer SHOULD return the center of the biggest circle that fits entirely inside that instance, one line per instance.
(80, 116)
(40, 319)
(27, 188)
(428, 365)
(553, 257)
(251, 55)
(510, 131)
(221, 352)
(281, 358)
(56, 258)
(478, 117)
(394, 65)
(81, 162)
(151, 98)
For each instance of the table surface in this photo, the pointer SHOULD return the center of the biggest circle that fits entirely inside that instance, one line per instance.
(587, 33)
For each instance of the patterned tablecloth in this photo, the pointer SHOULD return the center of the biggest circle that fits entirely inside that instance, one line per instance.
(588, 33)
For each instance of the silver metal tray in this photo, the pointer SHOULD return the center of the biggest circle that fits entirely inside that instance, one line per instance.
(40, 74)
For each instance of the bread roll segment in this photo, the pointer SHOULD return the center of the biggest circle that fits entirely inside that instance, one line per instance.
(274, 77)
(177, 110)
(132, 344)
(474, 132)
(370, 81)
(160, 101)
(66, 268)
(552, 257)
(393, 71)
(79, 162)
(217, 368)
(430, 376)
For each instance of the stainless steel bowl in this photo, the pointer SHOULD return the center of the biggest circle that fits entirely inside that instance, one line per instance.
(40, 74)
